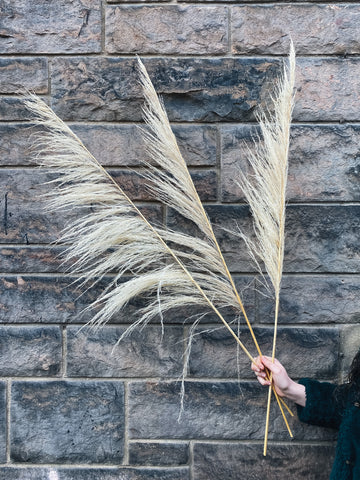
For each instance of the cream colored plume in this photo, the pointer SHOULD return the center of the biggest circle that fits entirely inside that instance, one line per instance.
(172, 183)
(265, 190)
(112, 235)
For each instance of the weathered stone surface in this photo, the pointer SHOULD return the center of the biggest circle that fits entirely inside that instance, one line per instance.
(207, 90)
(135, 186)
(70, 422)
(145, 353)
(327, 89)
(141, 453)
(19, 73)
(30, 473)
(310, 352)
(233, 461)
(225, 219)
(227, 89)
(315, 299)
(212, 410)
(322, 238)
(23, 216)
(2, 422)
(25, 299)
(15, 145)
(72, 26)
(23, 210)
(42, 299)
(31, 259)
(122, 145)
(30, 351)
(12, 109)
(315, 29)
(323, 162)
(170, 29)
(319, 238)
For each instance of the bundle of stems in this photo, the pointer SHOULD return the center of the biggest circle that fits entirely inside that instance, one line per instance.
(113, 235)
(265, 190)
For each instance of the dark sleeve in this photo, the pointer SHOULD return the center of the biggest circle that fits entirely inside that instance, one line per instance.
(323, 406)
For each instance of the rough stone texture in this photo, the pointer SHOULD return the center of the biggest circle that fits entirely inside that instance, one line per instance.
(134, 185)
(13, 473)
(15, 145)
(70, 422)
(216, 410)
(214, 354)
(315, 29)
(70, 26)
(31, 259)
(170, 29)
(122, 145)
(23, 208)
(327, 89)
(2, 422)
(158, 454)
(51, 299)
(206, 90)
(314, 299)
(27, 299)
(212, 72)
(323, 162)
(320, 238)
(12, 109)
(229, 460)
(30, 351)
(142, 354)
(23, 216)
(19, 73)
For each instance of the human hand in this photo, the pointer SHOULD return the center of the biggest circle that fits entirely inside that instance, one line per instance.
(280, 378)
(284, 386)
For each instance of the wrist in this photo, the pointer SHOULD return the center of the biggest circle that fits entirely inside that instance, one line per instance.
(296, 393)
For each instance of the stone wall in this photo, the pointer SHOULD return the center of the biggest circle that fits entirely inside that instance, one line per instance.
(69, 408)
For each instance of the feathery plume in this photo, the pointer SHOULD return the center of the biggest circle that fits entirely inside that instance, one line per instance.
(113, 235)
(266, 189)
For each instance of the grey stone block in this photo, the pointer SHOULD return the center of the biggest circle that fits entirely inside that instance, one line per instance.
(31, 259)
(315, 299)
(12, 109)
(55, 473)
(206, 90)
(170, 29)
(134, 185)
(26, 299)
(161, 454)
(72, 26)
(122, 145)
(67, 422)
(234, 461)
(20, 73)
(144, 353)
(310, 352)
(25, 219)
(305, 23)
(30, 351)
(212, 410)
(319, 238)
(323, 162)
(327, 89)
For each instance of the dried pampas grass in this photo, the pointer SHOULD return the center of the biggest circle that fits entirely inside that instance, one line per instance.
(113, 235)
(265, 189)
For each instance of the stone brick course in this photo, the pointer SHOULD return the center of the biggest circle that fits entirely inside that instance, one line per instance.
(170, 29)
(316, 29)
(71, 405)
